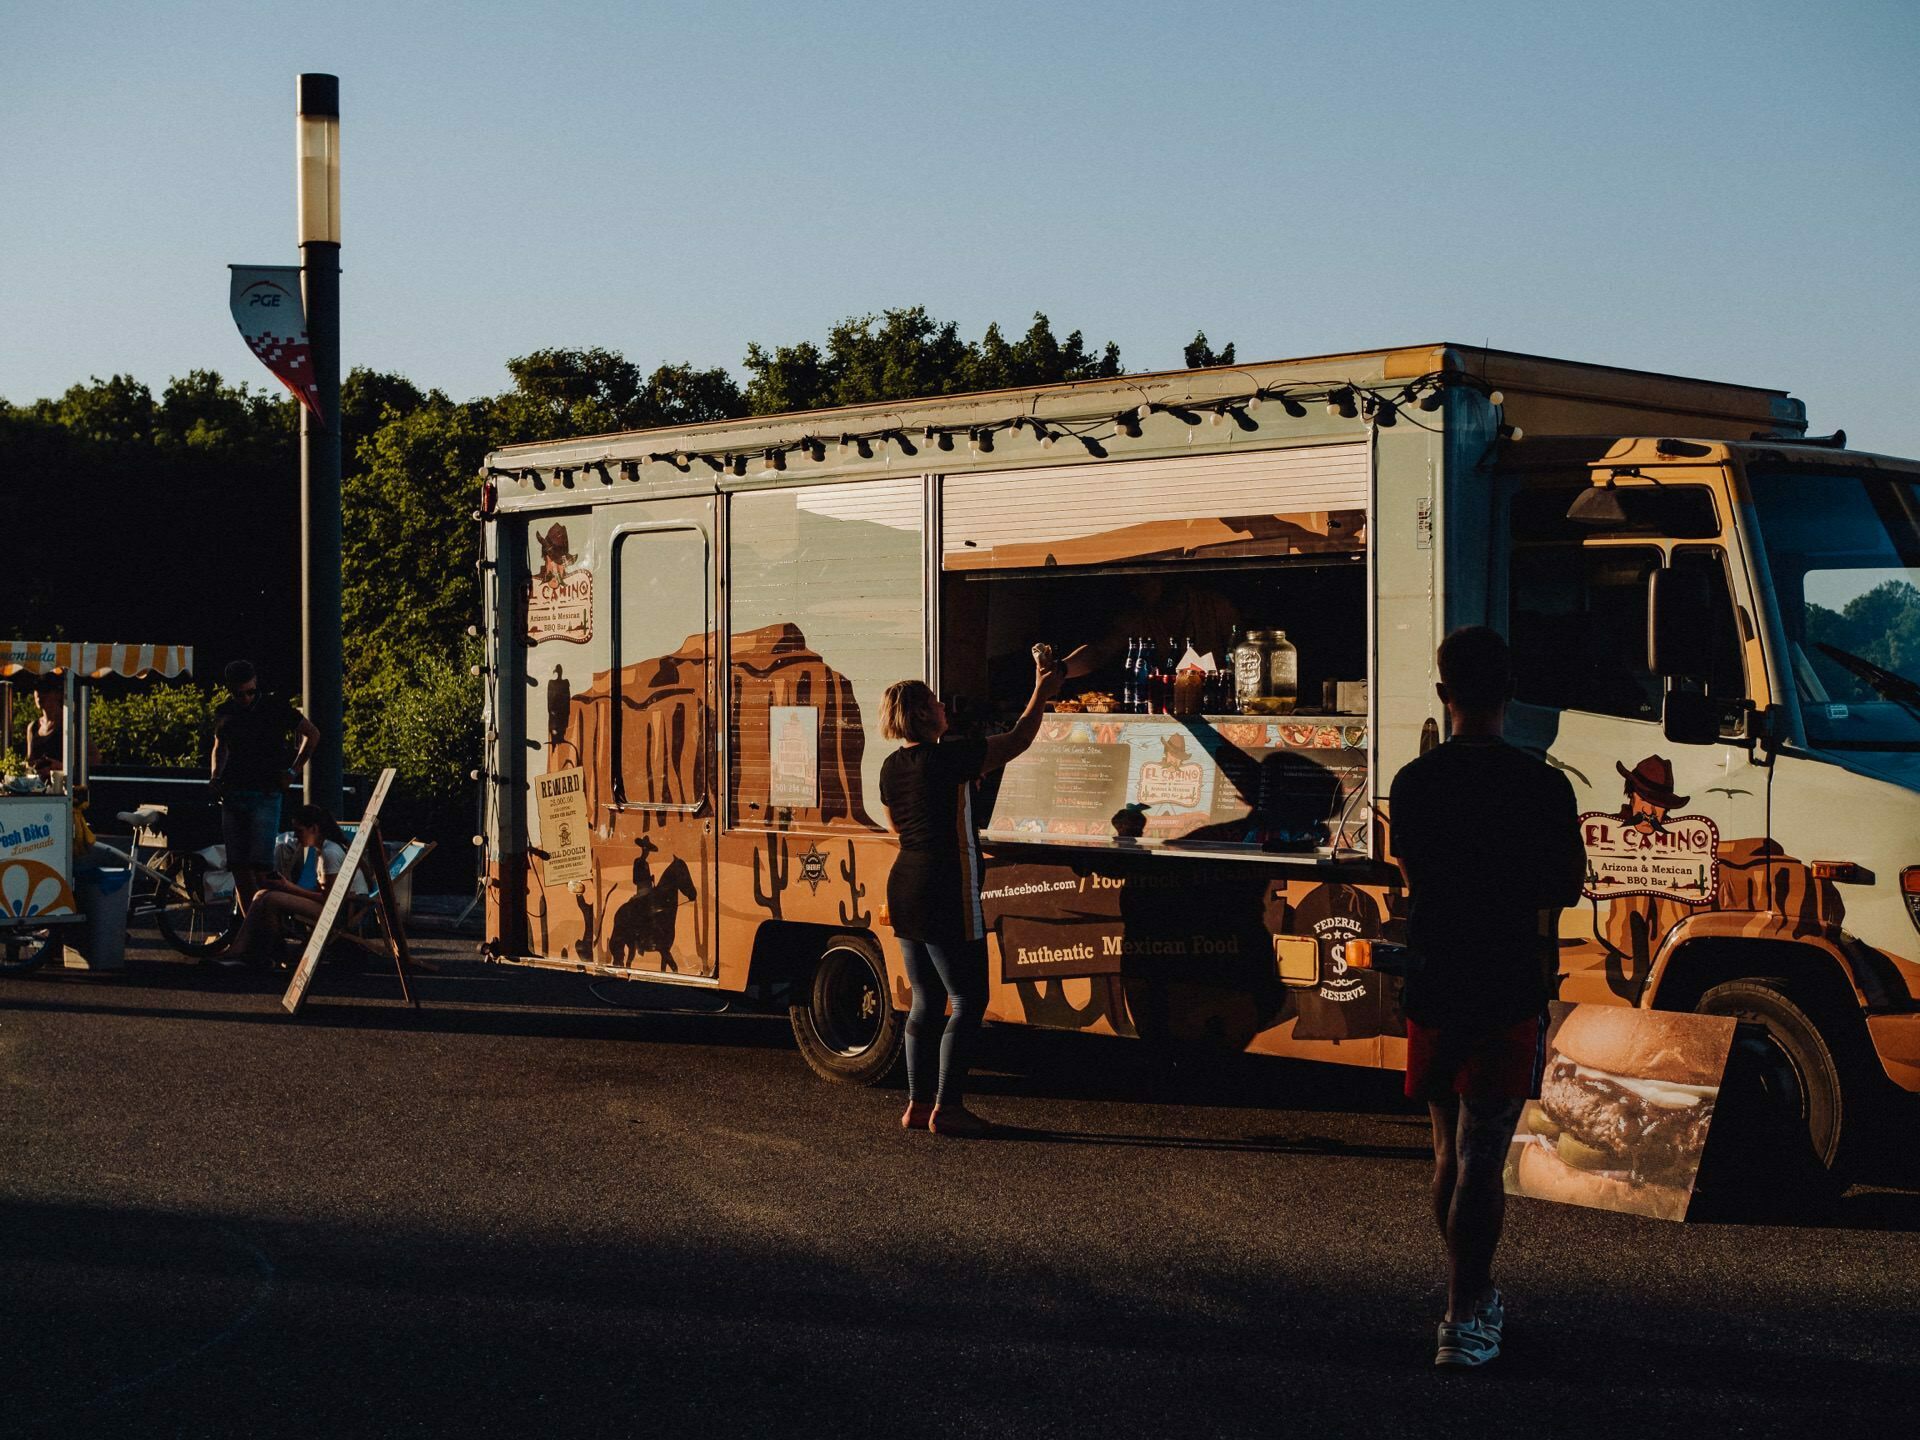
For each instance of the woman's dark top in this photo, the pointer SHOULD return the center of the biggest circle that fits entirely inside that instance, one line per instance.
(49, 747)
(933, 892)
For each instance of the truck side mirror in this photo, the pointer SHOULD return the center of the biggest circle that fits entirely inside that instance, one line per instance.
(1693, 719)
(1680, 622)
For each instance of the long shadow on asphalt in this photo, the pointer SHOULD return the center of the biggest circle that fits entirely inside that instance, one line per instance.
(466, 998)
(129, 1320)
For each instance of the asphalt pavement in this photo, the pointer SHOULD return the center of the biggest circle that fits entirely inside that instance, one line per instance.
(531, 1209)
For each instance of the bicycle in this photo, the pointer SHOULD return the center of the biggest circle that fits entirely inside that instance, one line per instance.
(178, 886)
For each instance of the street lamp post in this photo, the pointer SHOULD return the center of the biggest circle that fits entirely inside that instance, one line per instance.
(318, 108)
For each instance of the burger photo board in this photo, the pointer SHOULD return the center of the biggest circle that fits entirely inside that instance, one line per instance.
(1624, 1108)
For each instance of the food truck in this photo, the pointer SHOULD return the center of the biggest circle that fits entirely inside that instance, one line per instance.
(40, 813)
(689, 632)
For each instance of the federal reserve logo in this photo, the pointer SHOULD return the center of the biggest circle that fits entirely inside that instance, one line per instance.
(1337, 982)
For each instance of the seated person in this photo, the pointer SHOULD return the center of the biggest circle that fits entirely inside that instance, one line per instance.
(281, 897)
(46, 734)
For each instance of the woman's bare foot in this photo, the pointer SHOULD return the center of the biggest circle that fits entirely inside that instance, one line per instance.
(959, 1123)
(917, 1116)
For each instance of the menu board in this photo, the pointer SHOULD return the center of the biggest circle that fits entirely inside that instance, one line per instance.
(1226, 782)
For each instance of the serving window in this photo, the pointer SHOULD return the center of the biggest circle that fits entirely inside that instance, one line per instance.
(1185, 561)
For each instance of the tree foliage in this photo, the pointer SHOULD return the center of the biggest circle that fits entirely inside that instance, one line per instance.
(903, 354)
(161, 725)
(184, 513)
(1883, 626)
(558, 393)
(1199, 355)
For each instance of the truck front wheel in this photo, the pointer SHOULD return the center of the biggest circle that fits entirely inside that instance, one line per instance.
(1800, 1075)
(843, 1017)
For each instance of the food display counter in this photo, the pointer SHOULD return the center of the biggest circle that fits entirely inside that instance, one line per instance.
(1221, 784)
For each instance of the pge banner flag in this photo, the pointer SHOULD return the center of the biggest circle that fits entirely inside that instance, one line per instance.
(266, 307)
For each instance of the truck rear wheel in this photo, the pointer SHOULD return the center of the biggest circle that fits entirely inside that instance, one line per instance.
(1802, 1078)
(843, 1017)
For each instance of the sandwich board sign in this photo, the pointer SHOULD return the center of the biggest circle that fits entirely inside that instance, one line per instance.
(366, 833)
(1625, 1105)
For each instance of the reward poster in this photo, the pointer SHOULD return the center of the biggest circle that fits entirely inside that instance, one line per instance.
(560, 591)
(560, 801)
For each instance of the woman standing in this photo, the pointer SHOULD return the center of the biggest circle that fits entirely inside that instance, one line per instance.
(933, 891)
(320, 832)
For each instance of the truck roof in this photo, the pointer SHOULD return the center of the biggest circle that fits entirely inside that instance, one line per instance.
(1555, 451)
(1542, 393)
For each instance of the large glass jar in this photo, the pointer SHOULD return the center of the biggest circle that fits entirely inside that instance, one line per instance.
(1250, 670)
(1283, 673)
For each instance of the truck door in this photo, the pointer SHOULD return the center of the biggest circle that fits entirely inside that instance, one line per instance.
(1670, 830)
(626, 717)
(658, 880)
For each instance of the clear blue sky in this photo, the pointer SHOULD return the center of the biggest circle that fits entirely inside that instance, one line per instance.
(1727, 190)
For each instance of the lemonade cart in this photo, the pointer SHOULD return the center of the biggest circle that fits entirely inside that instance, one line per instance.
(39, 815)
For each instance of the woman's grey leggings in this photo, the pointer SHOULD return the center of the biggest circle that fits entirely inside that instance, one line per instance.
(941, 970)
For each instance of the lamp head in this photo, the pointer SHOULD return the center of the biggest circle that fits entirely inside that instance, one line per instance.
(317, 140)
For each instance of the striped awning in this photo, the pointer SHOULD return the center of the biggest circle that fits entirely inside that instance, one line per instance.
(93, 661)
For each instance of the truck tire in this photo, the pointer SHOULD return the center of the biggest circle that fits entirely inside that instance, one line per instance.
(843, 1017)
(1802, 1076)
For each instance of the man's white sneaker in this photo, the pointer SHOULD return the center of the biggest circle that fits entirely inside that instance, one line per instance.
(1492, 1313)
(1463, 1344)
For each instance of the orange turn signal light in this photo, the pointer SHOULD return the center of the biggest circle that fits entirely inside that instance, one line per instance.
(1359, 954)
(1910, 880)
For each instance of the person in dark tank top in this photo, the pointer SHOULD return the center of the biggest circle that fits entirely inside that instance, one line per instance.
(933, 890)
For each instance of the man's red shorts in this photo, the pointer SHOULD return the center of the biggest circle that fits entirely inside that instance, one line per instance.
(1504, 1063)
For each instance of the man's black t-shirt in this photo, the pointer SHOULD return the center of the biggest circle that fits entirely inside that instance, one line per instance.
(1489, 836)
(259, 743)
(933, 891)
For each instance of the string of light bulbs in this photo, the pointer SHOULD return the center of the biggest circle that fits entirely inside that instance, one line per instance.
(1379, 406)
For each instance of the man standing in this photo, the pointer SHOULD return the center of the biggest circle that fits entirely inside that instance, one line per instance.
(259, 744)
(1487, 837)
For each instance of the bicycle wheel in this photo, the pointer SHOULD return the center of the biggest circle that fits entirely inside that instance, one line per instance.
(24, 948)
(192, 923)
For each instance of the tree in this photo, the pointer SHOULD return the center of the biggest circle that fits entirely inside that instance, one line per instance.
(200, 411)
(1037, 358)
(1200, 355)
(587, 392)
(117, 411)
(1882, 625)
(407, 547)
(368, 399)
(906, 354)
(788, 377)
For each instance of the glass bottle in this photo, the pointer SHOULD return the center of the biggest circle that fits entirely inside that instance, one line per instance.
(1144, 666)
(1283, 672)
(1129, 676)
(1250, 670)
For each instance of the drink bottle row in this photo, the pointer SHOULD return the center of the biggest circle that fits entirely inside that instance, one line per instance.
(1257, 675)
(1153, 684)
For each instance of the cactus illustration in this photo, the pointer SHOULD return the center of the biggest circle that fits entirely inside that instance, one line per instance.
(768, 896)
(850, 911)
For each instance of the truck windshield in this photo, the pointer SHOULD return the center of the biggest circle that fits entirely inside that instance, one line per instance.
(1844, 550)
